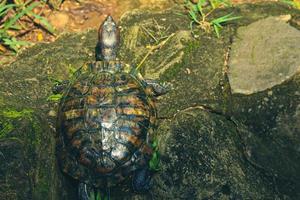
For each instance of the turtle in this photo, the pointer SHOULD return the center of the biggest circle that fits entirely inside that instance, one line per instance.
(105, 122)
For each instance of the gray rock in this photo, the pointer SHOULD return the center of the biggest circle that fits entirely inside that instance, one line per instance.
(264, 54)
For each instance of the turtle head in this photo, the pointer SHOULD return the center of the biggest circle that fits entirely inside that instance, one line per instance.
(108, 40)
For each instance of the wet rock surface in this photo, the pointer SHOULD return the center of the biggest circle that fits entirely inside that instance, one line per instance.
(213, 144)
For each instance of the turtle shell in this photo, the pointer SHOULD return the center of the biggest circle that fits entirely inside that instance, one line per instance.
(104, 124)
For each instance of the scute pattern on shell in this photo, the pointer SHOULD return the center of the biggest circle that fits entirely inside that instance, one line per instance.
(104, 123)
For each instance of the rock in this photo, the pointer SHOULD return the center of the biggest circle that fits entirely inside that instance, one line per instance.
(213, 144)
(203, 159)
(264, 54)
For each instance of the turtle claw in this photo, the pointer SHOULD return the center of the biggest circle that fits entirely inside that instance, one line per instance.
(60, 87)
(159, 88)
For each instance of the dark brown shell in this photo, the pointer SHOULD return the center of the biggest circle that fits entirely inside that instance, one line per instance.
(104, 122)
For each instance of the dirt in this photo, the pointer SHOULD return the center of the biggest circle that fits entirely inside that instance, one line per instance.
(78, 16)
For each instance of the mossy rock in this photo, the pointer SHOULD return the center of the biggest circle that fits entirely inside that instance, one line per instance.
(205, 136)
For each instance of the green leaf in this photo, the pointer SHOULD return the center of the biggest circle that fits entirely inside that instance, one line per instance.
(154, 162)
(5, 9)
(194, 8)
(98, 196)
(43, 22)
(217, 23)
(16, 27)
(200, 5)
(10, 22)
(193, 16)
(14, 44)
(217, 30)
(154, 144)
(14, 114)
(55, 97)
(224, 19)
(213, 3)
(2, 3)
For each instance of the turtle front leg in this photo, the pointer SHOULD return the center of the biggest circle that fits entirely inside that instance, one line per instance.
(60, 87)
(158, 88)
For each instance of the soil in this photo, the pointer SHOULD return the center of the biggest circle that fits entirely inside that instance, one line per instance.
(78, 16)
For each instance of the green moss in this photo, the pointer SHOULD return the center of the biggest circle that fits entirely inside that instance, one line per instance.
(8, 116)
(14, 114)
(6, 128)
(41, 190)
(170, 73)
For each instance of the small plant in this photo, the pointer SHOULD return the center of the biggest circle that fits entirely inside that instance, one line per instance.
(293, 3)
(54, 97)
(200, 11)
(155, 160)
(16, 17)
(6, 125)
(72, 76)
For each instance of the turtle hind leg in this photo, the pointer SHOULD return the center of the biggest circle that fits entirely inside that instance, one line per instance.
(158, 88)
(142, 180)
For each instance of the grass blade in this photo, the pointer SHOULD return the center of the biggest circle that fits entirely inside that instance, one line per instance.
(4, 9)
(55, 97)
(14, 44)
(193, 16)
(225, 18)
(11, 22)
(43, 21)
(217, 23)
(16, 27)
(200, 5)
(213, 4)
(217, 30)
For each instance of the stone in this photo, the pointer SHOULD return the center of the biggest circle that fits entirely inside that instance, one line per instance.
(264, 54)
